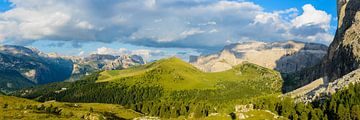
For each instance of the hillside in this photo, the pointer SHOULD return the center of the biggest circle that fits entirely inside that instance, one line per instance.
(168, 83)
(19, 108)
(24, 67)
(175, 74)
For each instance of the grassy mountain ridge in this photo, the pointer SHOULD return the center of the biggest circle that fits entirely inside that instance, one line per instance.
(168, 88)
(175, 74)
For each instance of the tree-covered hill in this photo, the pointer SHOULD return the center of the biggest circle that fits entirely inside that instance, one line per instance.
(166, 88)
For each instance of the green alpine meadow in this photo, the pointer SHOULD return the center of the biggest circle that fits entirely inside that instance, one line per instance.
(179, 60)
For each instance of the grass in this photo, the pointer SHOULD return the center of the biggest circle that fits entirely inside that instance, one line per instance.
(261, 115)
(175, 74)
(169, 82)
(16, 109)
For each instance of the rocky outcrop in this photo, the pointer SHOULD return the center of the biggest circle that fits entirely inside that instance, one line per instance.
(286, 57)
(344, 52)
(123, 62)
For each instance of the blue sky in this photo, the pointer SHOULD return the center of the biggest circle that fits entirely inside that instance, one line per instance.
(161, 28)
(4, 5)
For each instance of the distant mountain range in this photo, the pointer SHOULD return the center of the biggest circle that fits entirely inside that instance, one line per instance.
(96, 62)
(285, 57)
(23, 67)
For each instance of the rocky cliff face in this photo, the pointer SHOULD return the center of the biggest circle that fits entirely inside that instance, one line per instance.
(342, 62)
(344, 52)
(286, 57)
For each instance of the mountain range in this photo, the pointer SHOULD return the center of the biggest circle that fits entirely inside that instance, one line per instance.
(23, 67)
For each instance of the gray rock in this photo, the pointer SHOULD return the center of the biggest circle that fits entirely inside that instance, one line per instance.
(286, 57)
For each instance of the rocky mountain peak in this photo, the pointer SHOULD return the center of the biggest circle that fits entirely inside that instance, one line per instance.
(18, 50)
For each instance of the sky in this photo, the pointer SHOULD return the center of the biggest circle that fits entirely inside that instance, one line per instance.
(156, 29)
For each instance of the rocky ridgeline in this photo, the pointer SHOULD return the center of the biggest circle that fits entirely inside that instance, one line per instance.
(23, 67)
(28, 63)
(96, 62)
(286, 57)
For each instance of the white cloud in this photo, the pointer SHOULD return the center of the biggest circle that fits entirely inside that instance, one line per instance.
(321, 37)
(81, 53)
(200, 24)
(311, 16)
(105, 50)
(192, 31)
(145, 53)
(85, 25)
(150, 3)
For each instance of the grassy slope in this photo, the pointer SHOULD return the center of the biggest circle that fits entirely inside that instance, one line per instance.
(16, 109)
(174, 74)
(179, 81)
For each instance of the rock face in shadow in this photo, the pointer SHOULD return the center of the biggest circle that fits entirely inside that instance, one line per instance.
(285, 57)
(344, 52)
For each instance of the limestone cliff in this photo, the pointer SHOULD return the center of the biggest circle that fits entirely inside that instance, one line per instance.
(286, 57)
(344, 52)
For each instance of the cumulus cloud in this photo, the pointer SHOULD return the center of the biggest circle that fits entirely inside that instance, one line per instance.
(311, 16)
(105, 50)
(145, 53)
(200, 24)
